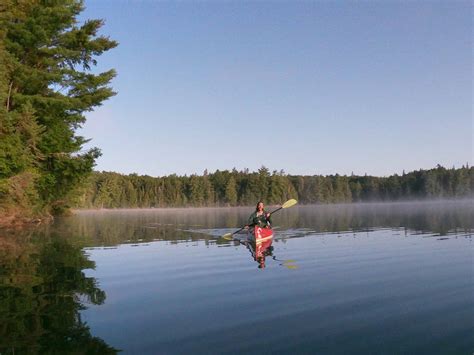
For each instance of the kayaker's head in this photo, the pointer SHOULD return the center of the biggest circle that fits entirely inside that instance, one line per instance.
(259, 207)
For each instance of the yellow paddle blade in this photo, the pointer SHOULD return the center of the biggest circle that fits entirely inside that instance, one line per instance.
(289, 203)
(227, 236)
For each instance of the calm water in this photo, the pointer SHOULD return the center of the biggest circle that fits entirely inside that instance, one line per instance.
(351, 279)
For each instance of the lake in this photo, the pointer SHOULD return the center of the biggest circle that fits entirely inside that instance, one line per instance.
(338, 279)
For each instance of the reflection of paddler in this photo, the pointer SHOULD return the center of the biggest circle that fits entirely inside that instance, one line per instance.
(260, 244)
(261, 235)
(260, 238)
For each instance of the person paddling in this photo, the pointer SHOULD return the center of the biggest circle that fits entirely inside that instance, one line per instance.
(260, 217)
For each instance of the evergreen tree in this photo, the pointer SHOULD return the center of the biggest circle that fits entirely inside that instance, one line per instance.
(208, 189)
(356, 190)
(277, 189)
(231, 192)
(46, 86)
(262, 185)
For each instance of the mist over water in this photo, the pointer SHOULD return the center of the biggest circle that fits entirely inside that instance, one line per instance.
(356, 278)
(109, 227)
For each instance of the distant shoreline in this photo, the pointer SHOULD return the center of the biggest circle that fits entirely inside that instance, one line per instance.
(187, 208)
(245, 188)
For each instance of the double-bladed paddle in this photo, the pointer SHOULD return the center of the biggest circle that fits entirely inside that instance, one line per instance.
(287, 204)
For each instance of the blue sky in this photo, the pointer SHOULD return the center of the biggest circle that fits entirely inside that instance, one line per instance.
(309, 87)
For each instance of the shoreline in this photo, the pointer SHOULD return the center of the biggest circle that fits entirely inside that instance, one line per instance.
(14, 221)
(364, 203)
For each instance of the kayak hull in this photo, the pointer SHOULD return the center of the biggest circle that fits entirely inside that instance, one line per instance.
(263, 238)
(261, 235)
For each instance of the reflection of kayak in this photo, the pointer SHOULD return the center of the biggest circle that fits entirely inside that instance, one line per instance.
(261, 235)
(261, 240)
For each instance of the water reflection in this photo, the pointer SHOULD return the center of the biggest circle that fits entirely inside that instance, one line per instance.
(348, 288)
(109, 228)
(42, 290)
(259, 251)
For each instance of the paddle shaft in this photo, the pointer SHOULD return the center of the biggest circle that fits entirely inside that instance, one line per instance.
(279, 208)
(238, 230)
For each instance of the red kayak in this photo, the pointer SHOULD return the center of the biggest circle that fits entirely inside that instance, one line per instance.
(263, 238)
(262, 234)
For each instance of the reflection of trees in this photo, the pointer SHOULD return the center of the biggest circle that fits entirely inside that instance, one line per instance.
(128, 226)
(42, 290)
(437, 217)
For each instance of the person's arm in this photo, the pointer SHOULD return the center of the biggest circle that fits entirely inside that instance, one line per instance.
(268, 217)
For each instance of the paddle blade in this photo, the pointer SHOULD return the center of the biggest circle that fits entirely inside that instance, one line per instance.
(289, 203)
(227, 236)
(289, 264)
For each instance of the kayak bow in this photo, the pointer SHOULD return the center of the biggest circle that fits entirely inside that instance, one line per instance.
(260, 235)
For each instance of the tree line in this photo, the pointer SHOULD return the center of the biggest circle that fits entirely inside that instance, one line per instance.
(243, 188)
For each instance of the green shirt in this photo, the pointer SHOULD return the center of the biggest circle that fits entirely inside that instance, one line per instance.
(260, 221)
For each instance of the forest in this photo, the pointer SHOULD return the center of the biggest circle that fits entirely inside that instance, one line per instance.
(47, 85)
(244, 188)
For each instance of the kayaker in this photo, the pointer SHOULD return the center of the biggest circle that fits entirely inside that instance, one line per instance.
(260, 217)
